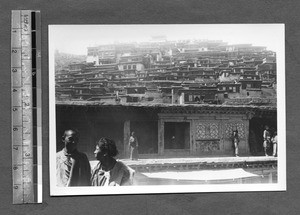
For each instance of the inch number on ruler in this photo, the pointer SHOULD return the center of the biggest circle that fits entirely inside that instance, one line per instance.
(24, 137)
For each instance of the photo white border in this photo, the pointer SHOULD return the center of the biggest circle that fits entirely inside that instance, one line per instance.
(281, 127)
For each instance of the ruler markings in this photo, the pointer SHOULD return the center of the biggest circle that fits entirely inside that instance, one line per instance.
(24, 117)
(38, 81)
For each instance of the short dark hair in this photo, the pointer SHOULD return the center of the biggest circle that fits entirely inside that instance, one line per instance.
(76, 133)
(108, 146)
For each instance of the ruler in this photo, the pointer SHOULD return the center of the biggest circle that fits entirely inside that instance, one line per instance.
(26, 106)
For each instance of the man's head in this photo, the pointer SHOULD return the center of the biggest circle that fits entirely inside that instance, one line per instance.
(70, 139)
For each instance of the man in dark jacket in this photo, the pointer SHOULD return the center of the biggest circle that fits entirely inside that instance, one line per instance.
(72, 167)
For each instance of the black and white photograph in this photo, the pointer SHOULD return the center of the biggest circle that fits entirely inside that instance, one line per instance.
(181, 108)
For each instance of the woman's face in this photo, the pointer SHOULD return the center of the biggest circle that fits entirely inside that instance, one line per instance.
(98, 153)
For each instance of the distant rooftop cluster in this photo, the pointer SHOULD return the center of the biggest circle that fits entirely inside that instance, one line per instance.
(170, 72)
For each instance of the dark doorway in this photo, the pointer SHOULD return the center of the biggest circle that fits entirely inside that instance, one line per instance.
(146, 132)
(256, 128)
(177, 135)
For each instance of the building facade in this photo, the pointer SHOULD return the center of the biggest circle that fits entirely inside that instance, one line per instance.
(167, 130)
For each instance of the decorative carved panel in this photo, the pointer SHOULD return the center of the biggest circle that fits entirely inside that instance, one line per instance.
(208, 146)
(239, 125)
(207, 130)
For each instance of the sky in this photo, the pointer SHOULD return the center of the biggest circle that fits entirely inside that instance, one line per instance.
(75, 39)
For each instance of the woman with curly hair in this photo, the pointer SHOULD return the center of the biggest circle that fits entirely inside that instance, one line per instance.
(109, 171)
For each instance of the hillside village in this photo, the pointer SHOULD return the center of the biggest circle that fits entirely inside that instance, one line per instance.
(169, 72)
